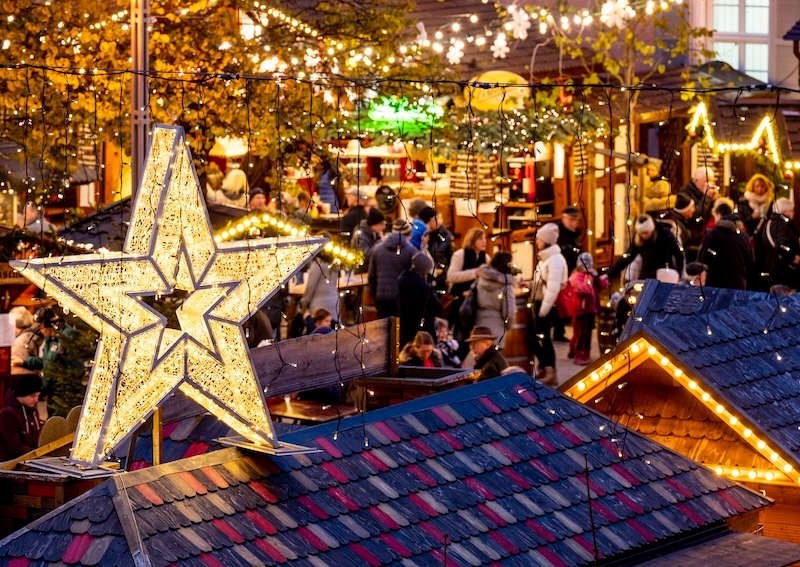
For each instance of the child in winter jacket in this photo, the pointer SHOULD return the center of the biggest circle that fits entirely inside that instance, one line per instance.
(586, 285)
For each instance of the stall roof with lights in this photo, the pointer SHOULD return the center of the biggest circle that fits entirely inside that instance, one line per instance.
(733, 355)
(491, 472)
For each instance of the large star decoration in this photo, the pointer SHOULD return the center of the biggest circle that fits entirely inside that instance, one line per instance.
(139, 361)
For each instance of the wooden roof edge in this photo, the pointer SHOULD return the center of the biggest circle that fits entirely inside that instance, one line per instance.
(127, 520)
(600, 362)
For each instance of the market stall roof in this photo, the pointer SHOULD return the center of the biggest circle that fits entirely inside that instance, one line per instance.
(15, 167)
(491, 472)
(734, 355)
(107, 227)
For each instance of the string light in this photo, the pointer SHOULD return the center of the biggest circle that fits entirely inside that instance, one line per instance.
(139, 361)
(700, 115)
(637, 350)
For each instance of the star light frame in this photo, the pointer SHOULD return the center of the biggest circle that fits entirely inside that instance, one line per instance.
(139, 361)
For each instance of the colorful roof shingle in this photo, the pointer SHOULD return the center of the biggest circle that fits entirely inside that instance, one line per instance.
(487, 474)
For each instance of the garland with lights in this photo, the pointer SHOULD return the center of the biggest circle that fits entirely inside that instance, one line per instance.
(266, 223)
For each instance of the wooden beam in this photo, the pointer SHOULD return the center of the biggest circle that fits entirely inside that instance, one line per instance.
(157, 437)
(38, 452)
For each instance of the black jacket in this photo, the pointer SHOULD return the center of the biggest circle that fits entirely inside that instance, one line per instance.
(681, 228)
(417, 305)
(440, 246)
(703, 205)
(351, 219)
(491, 364)
(19, 429)
(780, 243)
(661, 251)
(727, 252)
(570, 247)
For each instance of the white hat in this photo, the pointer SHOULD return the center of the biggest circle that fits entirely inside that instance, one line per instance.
(668, 275)
(548, 233)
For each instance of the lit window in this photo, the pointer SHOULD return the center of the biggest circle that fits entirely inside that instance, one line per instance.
(741, 31)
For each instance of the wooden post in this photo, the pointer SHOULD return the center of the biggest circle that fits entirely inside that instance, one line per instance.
(394, 345)
(157, 440)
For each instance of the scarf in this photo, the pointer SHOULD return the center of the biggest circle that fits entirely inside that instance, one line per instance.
(757, 202)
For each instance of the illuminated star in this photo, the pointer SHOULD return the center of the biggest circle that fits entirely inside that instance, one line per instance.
(139, 360)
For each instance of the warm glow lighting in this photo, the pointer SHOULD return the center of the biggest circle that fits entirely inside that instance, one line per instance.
(760, 444)
(634, 348)
(719, 408)
(595, 376)
(139, 360)
(651, 350)
(664, 361)
(787, 468)
(774, 457)
(705, 396)
(747, 433)
(733, 420)
(769, 476)
(581, 386)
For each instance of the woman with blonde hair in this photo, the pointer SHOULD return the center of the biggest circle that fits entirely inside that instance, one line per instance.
(753, 208)
(465, 265)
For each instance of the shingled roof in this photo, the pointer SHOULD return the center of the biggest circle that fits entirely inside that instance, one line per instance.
(491, 473)
(737, 356)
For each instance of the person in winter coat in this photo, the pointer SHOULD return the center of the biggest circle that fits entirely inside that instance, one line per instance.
(585, 282)
(367, 234)
(486, 354)
(657, 196)
(446, 344)
(417, 302)
(753, 208)
(421, 352)
(389, 259)
(357, 212)
(418, 225)
(549, 278)
(703, 192)
(569, 242)
(726, 251)
(464, 267)
(19, 418)
(497, 306)
(656, 245)
(322, 290)
(440, 246)
(679, 218)
(780, 242)
(37, 343)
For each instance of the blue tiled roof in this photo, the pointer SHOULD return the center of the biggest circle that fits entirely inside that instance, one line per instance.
(490, 474)
(757, 372)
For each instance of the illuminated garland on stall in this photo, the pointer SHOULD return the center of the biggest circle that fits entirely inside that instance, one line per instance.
(255, 223)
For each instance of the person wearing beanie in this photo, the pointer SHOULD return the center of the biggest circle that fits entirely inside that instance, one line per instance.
(549, 278)
(417, 302)
(679, 218)
(586, 285)
(19, 418)
(390, 258)
(367, 234)
(696, 273)
(569, 242)
(656, 245)
(258, 199)
(779, 245)
(726, 250)
(497, 305)
(418, 225)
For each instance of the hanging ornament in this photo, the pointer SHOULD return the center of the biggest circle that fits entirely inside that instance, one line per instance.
(500, 47)
(520, 24)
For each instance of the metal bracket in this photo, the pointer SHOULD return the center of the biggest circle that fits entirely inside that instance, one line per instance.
(62, 465)
(281, 449)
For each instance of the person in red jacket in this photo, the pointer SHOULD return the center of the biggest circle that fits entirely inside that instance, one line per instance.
(19, 419)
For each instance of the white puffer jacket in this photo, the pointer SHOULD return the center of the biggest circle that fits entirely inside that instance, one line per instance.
(549, 278)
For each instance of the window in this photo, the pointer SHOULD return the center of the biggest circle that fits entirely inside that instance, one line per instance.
(742, 35)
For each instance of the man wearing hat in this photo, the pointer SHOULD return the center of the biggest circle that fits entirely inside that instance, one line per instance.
(568, 241)
(367, 234)
(357, 211)
(487, 356)
(389, 259)
(19, 419)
